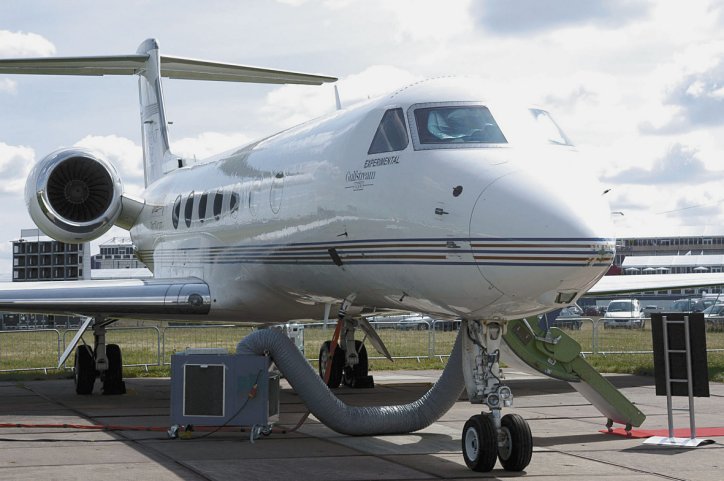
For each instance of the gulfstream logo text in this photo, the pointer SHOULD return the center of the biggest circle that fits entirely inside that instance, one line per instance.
(356, 175)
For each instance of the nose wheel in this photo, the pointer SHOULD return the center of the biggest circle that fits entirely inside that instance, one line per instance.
(515, 443)
(482, 443)
(479, 446)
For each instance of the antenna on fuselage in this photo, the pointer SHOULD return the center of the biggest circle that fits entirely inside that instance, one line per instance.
(337, 102)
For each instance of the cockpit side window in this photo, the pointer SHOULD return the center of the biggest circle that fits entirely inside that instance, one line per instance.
(391, 134)
(547, 128)
(454, 125)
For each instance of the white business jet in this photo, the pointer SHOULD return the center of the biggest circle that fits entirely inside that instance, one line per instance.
(437, 198)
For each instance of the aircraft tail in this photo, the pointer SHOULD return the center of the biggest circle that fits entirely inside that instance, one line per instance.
(157, 156)
(150, 66)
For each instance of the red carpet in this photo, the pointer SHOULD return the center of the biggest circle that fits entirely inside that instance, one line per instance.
(679, 433)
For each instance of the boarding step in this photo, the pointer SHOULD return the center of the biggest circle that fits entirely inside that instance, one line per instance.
(555, 354)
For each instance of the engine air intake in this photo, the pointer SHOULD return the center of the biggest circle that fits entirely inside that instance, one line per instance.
(80, 189)
(74, 195)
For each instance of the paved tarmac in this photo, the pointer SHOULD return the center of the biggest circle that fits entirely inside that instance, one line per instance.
(565, 429)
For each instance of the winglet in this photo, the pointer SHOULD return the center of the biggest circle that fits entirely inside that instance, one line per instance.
(337, 102)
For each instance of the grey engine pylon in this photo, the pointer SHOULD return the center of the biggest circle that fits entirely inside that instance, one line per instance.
(353, 420)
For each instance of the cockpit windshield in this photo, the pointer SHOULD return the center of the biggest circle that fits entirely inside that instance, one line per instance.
(457, 125)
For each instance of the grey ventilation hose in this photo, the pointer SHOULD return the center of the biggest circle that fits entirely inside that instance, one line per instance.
(353, 420)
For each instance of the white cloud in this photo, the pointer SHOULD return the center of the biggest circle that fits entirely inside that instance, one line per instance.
(15, 164)
(8, 86)
(680, 165)
(429, 20)
(125, 154)
(20, 44)
(293, 3)
(207, 144)
(293, 104)
(525, 16)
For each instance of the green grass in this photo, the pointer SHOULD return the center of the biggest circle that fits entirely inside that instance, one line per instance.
(152, 344)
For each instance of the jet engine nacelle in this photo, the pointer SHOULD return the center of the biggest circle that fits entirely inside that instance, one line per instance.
(73, 195)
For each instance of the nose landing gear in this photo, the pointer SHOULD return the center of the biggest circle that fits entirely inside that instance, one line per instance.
(488, 435)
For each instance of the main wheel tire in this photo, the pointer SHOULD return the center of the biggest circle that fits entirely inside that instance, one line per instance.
(84, 370)
(113, 377)
(361, 370)
(335, 376)
(479, 443)
(517, 445)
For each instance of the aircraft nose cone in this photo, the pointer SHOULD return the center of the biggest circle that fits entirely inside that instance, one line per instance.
(535, 239)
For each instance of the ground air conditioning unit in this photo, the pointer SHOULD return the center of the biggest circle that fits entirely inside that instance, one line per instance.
(210, 387)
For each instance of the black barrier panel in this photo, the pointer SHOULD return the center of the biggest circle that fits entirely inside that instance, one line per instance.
(677, 359)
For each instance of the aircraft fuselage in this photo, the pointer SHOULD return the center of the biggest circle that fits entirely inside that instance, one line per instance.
(492, 229)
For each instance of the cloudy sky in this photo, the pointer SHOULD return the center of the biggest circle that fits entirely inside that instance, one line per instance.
(638, 85)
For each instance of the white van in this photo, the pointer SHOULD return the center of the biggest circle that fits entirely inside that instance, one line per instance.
(624, 313)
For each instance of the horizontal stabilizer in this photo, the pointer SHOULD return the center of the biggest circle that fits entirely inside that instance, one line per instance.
(171, 67)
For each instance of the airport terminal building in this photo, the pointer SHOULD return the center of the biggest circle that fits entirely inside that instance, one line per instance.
(690, 250)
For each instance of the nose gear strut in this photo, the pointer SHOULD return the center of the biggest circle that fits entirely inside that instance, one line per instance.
(490, 435)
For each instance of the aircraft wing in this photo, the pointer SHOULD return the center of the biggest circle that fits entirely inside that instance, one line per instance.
(108, 297)
(622, 283)
(171, 67)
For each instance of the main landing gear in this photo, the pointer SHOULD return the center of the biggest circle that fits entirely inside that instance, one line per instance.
(488, 436)
(102, 360)
(350, 363)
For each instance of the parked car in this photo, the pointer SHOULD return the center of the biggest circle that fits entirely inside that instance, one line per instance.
(714, 316)
(419, 323)
(593, 311)
(648, 310)
(691, 305)
(568, 318)
(446, 325)
(624, 313)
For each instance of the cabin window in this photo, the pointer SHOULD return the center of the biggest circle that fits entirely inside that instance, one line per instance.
(202, 206)
(391, 134)
(189, 209)
(218, 202)
(176, 212)
(457, 126)
(233, 202)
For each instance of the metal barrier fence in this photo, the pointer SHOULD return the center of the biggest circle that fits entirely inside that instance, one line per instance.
(30, 350)
(628, 336)
(40, 349)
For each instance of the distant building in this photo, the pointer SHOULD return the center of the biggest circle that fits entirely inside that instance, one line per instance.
(685, 241)
(686, 250)
(117, 253)
(678, 264)
(37, 257)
